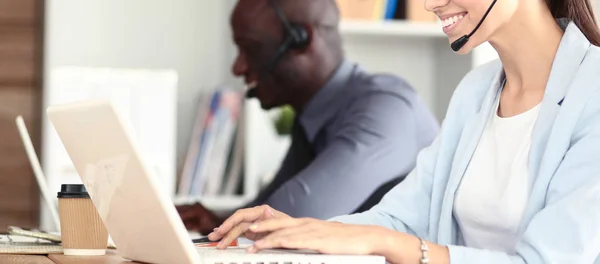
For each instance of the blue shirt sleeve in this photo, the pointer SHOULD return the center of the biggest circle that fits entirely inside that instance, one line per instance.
(378, 139)
(405, 208)
(564, 230)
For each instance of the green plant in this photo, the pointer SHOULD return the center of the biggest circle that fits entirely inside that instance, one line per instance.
(285, 120)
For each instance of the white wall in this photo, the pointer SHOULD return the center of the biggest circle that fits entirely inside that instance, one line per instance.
(190, 36)
(596, 6)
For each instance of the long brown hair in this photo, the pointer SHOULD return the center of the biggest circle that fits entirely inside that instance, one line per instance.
(581, 13)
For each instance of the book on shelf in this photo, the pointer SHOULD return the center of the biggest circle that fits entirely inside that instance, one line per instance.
(213, 164)
(378, 10)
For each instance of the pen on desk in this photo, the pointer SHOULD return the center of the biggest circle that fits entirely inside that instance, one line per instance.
(205, 242)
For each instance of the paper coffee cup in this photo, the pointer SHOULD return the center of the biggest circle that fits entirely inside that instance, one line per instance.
(82, 230)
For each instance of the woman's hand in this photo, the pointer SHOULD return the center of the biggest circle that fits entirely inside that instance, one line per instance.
(237, 224)
(321, 236)
(273, 229)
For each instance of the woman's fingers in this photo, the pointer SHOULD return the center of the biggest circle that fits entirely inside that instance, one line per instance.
(240, 216)
(294, 238)
(321, 236)
(242, 226)
(274, 224)
(291, 231)
(233, 234)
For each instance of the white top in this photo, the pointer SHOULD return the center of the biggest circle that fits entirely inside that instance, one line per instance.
(494, 191)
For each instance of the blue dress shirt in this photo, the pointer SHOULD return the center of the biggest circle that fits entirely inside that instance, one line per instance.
(363, 131)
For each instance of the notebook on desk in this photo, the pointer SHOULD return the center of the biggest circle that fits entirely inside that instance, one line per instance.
(141, 218)
(22, 245)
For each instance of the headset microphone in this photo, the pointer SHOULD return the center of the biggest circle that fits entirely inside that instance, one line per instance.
(459, 43)
(295, 37)
(251, 93)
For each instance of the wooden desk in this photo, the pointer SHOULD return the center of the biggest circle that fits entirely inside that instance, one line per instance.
(110, 258)
(25, 259)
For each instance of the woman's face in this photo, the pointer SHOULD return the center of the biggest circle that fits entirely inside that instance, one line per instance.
(460, 17)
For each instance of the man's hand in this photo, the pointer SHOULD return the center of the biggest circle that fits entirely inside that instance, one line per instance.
(197, 218)
(238, 224)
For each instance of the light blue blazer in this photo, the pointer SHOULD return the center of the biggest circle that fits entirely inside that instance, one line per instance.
(561, 223)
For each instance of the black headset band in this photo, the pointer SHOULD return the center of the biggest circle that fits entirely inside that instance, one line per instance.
(295, 36)
(283, 48)
(282, 17)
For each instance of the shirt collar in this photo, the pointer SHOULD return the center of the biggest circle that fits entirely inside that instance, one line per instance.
(323, 105)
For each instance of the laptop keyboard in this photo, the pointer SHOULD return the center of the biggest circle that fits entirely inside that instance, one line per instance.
(238, 255)
(241, 251)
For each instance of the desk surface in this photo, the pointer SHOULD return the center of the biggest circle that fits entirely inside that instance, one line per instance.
(110, 258)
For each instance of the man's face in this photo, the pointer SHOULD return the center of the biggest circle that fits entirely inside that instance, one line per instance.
(256, 33)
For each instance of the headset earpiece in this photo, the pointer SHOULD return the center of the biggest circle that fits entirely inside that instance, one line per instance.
(299, 35)
(296, 37)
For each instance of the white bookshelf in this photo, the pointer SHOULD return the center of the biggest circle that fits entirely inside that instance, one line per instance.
(416, 51)
(391, 28)
(264, 150)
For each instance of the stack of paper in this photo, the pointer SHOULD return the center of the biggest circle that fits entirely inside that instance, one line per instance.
(10, 244)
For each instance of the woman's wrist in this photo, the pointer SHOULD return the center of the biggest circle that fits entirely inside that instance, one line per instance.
(394, 246)
(399, 248)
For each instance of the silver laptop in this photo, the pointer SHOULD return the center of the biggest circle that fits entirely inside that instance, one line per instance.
(139, 216)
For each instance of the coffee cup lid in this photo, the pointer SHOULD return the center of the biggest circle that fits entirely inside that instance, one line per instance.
(73, 191)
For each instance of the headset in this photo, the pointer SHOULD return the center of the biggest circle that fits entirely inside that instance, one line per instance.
(459, 43)
(296, 37)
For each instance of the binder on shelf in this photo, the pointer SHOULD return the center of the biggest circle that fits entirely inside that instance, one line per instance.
(379, 10)
(390, 9)
(214, 152)
(362, 9)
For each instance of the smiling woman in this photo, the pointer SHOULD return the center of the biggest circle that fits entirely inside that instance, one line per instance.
(513, 168)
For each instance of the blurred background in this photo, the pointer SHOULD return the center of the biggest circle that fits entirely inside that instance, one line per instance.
(166, 65)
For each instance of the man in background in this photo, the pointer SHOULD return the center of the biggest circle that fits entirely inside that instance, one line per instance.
(353, 132)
